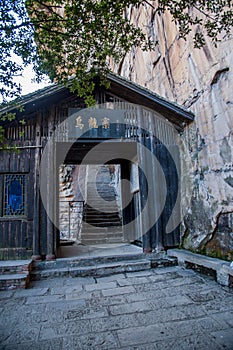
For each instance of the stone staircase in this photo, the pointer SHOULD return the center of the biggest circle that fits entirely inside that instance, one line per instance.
(15, 274)
(102, 223)
(99, 266)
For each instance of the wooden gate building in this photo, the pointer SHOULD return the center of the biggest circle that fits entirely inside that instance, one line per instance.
(130, 125)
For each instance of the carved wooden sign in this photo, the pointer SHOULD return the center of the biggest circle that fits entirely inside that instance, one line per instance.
(96, 123)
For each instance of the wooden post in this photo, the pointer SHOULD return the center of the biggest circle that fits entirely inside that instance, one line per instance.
(146, 234)
(156, 231)
(36, 208)
(50, 192)
(125, 190)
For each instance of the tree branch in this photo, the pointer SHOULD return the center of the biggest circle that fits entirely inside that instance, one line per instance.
(204, 13)
(50, 8)
(29, 23)
(147, 2)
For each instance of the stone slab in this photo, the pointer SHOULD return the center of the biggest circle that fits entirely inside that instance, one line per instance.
(118, 291)
(224, 338)
(164, 314)
(99, 286)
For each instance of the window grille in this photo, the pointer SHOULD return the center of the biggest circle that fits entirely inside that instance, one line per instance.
(14, 195)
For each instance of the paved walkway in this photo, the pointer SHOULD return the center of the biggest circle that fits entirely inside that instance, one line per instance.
(167, 308)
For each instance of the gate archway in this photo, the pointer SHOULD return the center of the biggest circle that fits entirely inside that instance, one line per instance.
(143, 135)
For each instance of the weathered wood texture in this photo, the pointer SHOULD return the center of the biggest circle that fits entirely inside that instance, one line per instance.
(17, 232)
(35, 232)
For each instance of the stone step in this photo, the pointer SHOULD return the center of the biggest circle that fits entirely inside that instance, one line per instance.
(101, 187)
(92, 239)
(99, 241)
(102, 210)
(102, 200)
(101, 222)
(100, 182)
(84, 261)
(14, 266)
(102, 230)
(94, 200)
(103, 197)
(106, 190)
(97, 235)
(105, 186)
(93, 270)
(108, 216)
(101, 266)
(98, 220)
(104, 225)
(105, 215)
(14, 274)
(14, 281)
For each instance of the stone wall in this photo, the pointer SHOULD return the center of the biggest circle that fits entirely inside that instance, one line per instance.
(202, 81)
(71, 193)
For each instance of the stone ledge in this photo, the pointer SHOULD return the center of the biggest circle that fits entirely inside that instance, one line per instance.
(224, 272)
(13, 281)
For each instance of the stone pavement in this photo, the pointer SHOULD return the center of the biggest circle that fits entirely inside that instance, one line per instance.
(167, 308)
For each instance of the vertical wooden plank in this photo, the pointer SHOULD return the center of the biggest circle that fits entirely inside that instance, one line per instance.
(2, 234)
(1, 194)
(29, 237)
(125, 175)
(30, 192)
(6, 236)
(42, 229)
(50, 191)
(146, 234)
(4, 162)
(24, 160)
(14, 162)
(36, 231)
(173, 237)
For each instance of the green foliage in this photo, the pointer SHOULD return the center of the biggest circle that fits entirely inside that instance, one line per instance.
(209, 18)
(16, 38)
(78, 39)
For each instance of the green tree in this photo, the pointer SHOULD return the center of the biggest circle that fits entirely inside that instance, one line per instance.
(71, 38)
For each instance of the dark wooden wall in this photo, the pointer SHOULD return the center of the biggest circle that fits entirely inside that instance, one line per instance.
(17, 232)
(34, 234)
(22, 237)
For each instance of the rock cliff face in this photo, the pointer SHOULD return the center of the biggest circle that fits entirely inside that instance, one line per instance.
(202, 81)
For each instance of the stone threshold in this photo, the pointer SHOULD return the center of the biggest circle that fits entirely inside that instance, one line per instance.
(100, 265)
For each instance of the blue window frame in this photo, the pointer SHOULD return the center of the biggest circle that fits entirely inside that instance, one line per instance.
(14, 195)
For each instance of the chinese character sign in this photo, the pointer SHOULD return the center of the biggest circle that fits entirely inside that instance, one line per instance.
(92, 122)
(105, 123)
(98, 123)
(79, 123)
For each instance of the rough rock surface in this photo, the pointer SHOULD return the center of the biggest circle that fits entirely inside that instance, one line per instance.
(70, 197)
(200, 80)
